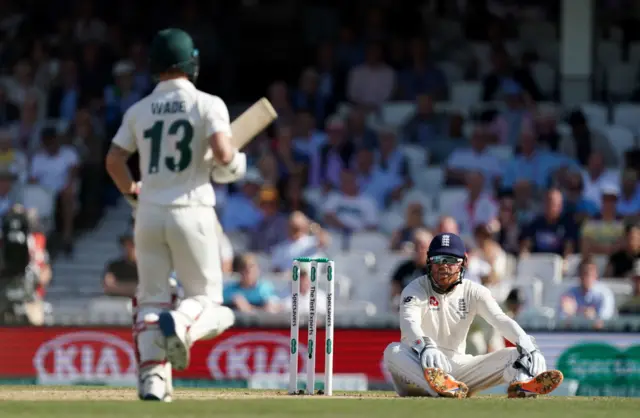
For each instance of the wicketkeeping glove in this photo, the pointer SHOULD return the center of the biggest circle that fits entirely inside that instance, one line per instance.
(531, 359)
(430, 356)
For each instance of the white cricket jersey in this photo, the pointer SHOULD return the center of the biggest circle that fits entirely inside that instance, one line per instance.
(446, 318)
(170, 128)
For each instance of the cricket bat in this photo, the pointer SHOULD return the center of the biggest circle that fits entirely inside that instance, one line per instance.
(251, 122)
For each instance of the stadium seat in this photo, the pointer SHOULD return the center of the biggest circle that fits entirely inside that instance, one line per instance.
(374, 242)
(621, 78)
(549, 52)
(397, 113)
(313, 196)
(264, 262)
(572, 264)
(537, 31)
(449, 198)
(634, 52)
(627, 115)
(390, 221)
(608, 52)
(431, 180)
(416, 196)
(620, 138)
(545, 76)
(596, 114)
(417, 157)
(466, 93)
(452, 71)
(40, 199)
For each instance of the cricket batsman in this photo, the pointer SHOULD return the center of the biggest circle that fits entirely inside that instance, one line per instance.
(183, 137)
(435, 315)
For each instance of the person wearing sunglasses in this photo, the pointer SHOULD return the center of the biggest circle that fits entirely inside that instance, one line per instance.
(436, 312)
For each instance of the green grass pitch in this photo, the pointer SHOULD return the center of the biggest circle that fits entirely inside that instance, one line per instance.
(85, 402)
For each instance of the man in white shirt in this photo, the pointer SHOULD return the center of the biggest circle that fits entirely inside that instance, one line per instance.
(348, 210)
(595, 179)
(475, 158)
(435, 315)
(372, 83)
(305, 240)
(183, 137)
(55, 167)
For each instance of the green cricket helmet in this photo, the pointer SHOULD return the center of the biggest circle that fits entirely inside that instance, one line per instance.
(173, 49)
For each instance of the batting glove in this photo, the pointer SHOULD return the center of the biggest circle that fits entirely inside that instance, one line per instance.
(132, 198)
(531, 359)
(430, 356)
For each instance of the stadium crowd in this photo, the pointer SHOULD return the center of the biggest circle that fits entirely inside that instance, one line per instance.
(331, 166)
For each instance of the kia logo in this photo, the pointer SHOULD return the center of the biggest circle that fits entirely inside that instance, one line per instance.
(244, 355)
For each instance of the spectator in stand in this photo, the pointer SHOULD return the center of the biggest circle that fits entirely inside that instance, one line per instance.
(64, 99)
(632, 305)
(121, 275)
(516, 118)
(415, 267)
(290, 161)
(93, 74)
(422, 76)
(267, 166)
(550, 232)
(350, 51)
(56, 168)
(334, 156)
(622, 261)
(604, 234)
(10, 191)
(476, 207)
(474, 158)
(303, 296)
(525, 202)
(595, 178)
(358, 133)
(294, 198)
(414, 220)
(390, 158)
(121, 95)
(373, 181)
(502, 70)
(509, 233)
(142, 81)
(250, 294)
(309, 97)
(331, 78)
(489, 250)
(629, 199)
(84, 135)
(533, 164)
(279, 97)
(21, 87)
(304, 239)
(583, 142)
(272, 230)
(576, 205)
(9, 112)
(26, 131)
(308, 140)
(590, 299)
(447, 224)
(12, 159)
(241, 211)
(546, 125)
(372, 83)
(348, 210)
(88, 26)
(426, 126)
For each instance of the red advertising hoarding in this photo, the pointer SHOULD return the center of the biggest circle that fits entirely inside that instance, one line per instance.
(70, 355)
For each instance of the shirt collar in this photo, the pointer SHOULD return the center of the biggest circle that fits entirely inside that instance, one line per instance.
(174, 84)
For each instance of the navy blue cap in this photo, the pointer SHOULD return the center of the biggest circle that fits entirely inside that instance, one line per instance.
(447, 244)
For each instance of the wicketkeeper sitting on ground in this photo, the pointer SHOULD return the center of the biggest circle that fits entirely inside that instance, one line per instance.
(435, 314)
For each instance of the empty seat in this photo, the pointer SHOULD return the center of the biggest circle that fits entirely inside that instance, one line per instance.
(621, 80)
(620, 138)
(627, 115)
(449, 198)
(431, 180)
(596, 114)
(545, 76)
(452, 71)
(397, 113)
(466, 93)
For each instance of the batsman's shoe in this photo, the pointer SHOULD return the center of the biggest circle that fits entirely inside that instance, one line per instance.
(445, 385)
(154, 388)
(176, 340)
(542, 384)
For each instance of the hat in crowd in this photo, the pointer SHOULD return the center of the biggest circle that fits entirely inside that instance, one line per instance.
(447, 244)
(610, 190)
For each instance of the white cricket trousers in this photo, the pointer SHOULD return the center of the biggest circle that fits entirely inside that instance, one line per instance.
(180, 239)
(477, 372)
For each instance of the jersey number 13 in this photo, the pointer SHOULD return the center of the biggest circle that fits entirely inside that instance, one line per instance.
(175, 163)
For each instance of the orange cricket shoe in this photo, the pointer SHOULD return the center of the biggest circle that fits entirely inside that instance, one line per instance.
(445, 385)
(542, 384)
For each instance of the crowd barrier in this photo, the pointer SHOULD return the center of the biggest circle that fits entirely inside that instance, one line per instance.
(594, 363)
